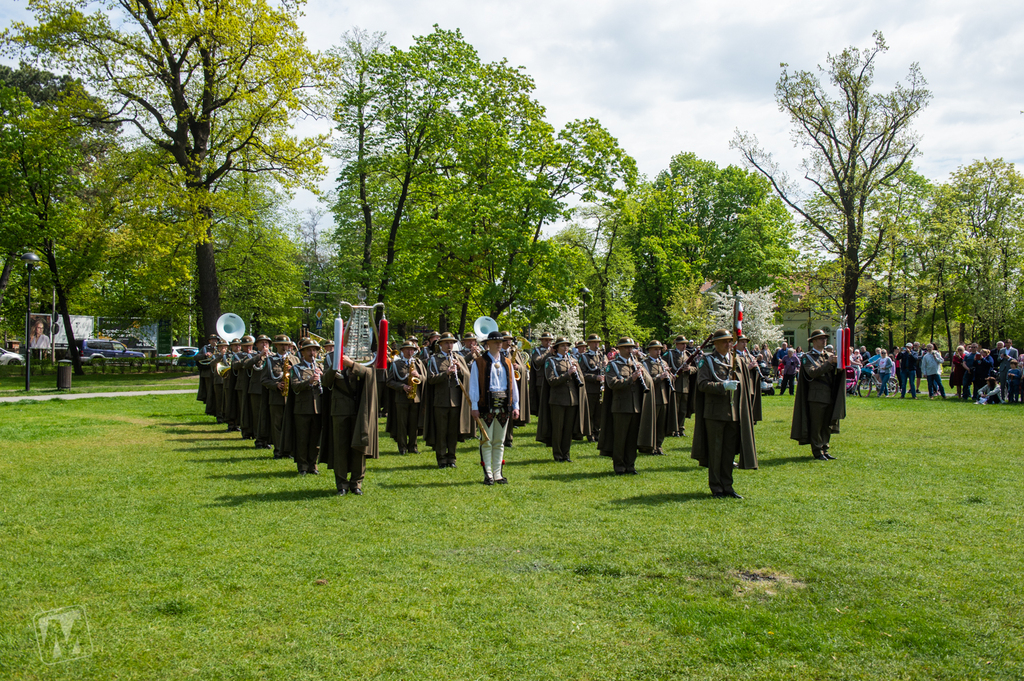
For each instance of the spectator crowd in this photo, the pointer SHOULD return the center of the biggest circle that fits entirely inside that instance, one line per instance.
(975, 373)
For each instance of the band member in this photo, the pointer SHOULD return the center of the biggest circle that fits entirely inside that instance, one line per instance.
(592, 362)
(350, 435)
(427, 350)
(520, 367)
(820, 401)
(448, 418)
(579, 349)
(537, 356)
(563, 413)
(305, 389)
(259, 404)
(724, 425)
(232, 412)
(204, 360)
(628, 412)
(407, 383)
(494, 398)
(218, 381)
(244, 409)
(275, 370)
(664, 395)
(470, 349)
(682, 362)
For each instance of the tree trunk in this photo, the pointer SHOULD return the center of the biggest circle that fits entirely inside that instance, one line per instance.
(5, 276)
(209, 288)
(851, 279)
(62, 301)
(464, 312)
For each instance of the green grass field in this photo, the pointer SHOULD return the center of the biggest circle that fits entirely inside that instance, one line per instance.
(197, 557)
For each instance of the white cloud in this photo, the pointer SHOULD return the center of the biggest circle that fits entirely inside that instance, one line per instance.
(667, 77)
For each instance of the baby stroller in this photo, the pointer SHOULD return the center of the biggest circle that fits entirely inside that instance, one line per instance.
(767, 384)
(851, 381)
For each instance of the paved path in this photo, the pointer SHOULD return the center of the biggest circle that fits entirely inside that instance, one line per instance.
(82, 396)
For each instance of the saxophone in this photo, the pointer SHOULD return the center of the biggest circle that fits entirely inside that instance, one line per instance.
(287, 362)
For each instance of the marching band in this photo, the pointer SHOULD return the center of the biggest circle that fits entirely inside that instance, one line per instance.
(316, 409)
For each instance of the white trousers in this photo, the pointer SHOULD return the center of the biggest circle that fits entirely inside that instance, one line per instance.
(492, 451)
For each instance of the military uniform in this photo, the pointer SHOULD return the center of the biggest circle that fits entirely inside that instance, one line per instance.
(404, 417)
(537, 371)
(721, 421)
(520, 363)
(218, 383)
(628, 418)
(305, 389)
(820, 401)
(244, 410)
(663, 398)
(592, 363)
(206, 390)
(563, 401)
(352, 436)
(682, 363)
(450, 411)
(258, 405)
(273, 373)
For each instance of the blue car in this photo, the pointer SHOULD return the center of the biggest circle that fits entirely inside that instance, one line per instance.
(92, 348)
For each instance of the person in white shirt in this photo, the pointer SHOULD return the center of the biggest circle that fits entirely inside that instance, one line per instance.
(494, 398)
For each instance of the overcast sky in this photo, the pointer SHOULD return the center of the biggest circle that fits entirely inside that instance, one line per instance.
(668, 77)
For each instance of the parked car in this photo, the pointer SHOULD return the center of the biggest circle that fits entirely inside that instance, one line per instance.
(93, 348)
(182, 355)
(8, 357)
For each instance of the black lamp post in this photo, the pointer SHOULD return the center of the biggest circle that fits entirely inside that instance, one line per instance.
(31, 260)
(584, 294)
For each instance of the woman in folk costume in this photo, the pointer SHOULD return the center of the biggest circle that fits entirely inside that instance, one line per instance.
(563, 415)
(724, 425)
(627, 415)
(494, 399)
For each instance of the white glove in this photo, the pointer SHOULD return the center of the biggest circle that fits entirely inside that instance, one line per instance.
(730, 385)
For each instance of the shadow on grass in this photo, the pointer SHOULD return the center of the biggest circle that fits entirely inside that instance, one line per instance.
(440, 483)
(255, 476)
(574, 477)
(199, 447)
(281, 496)
(207, 439)
(432, 463)
(659, 499)
(527, 462)
(226, 459)
(782, 461)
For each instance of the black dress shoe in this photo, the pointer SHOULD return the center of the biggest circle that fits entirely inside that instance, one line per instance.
(632, 471)
(302, 472)
(452, 465)
(828, 456)
(620, 472)
(442, 465)
(820, 457)
(341, 493)
(488, 481)
(358, 490)
(567, 460)
(717, 495)
(735, 465)
(314, 471)
(733, 495)
(501, 481)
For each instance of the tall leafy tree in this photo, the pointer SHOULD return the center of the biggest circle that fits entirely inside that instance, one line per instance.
(210, 84)
(857, 141)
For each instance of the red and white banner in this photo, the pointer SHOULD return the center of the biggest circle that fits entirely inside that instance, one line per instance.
(737, 318)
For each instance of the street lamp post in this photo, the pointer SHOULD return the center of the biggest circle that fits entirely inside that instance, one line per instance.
(584, 294)
(31, 260)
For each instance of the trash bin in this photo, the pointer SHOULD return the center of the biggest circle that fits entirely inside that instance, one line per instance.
(64, 374)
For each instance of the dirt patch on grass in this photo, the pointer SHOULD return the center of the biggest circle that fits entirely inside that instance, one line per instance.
(763, 582)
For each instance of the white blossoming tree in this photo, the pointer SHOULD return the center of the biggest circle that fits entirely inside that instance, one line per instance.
(758, 314)
(567, 324)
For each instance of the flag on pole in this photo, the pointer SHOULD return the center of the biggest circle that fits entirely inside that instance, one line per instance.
(737, 317)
